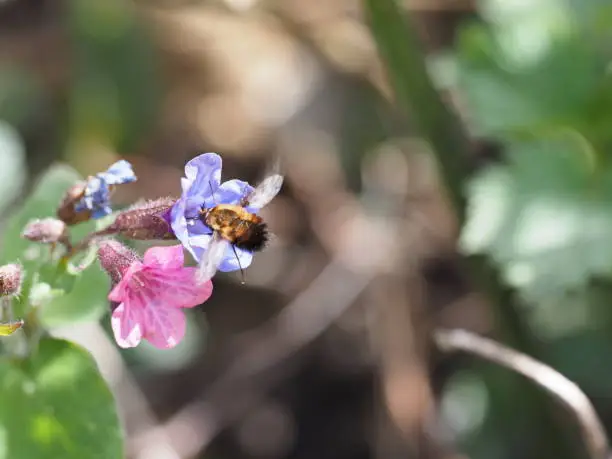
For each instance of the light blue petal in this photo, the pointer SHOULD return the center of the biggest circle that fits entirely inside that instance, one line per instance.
(230, 262)
(96, 197)
(202, 178)
(232, 191)
(201, 188)
(96, 194)
(178, 222)
(203, 174)
(118, 173)
(100, 212)
(198, 245)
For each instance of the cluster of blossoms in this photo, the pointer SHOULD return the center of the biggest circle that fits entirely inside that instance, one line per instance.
(148, 293)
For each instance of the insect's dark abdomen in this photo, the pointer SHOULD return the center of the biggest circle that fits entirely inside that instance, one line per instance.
(253, 238)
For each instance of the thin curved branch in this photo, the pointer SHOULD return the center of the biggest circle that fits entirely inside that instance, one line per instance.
(561, 388)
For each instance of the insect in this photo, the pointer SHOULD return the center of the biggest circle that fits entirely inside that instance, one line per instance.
(234, 225)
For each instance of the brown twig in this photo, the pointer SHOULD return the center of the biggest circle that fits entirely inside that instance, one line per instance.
(564, 390)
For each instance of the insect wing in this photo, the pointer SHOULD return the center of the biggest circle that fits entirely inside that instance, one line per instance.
(265, 191)
(212, 258)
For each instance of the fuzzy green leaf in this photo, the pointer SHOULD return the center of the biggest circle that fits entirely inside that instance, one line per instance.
(56, 405)
(545, 217)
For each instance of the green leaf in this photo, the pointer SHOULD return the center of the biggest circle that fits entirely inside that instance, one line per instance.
(559, 87)
(86, 301)
(84, 295)
(41, 294)
(41, 203)
(13, 160)
(545, 217)
(56, 405)
(86, 290)
(115, 90)
(416, 95)
(20, 94)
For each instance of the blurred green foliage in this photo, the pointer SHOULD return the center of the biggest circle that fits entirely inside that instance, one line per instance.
(82, 296)
(116, 89)
(19, 94)
(545, 217)
(54, 401)
(536, 79)
(56, 405)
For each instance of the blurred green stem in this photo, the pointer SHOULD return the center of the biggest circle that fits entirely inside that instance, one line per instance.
(399, 47)
(416, 94)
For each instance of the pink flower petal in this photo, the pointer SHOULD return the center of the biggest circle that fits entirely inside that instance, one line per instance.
(126, 324)
(120, 292)
(164, 327)
(178, 288)
(150, 295)
(168, 257)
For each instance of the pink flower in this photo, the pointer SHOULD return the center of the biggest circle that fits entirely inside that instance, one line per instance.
(150, 294)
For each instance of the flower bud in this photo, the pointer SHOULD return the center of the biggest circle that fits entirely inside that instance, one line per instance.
(145, 221)
(46, 230)
(115, 259)
(11, 276)
(67, 208)
(90, 199)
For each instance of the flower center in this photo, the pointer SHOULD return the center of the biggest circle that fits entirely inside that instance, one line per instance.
(138, 281)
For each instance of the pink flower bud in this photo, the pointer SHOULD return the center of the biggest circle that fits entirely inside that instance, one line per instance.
(11, 276)
(47, 230)
(144, 221)
(115, 259)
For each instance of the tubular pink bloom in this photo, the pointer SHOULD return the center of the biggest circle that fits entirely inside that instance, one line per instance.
(151, 294)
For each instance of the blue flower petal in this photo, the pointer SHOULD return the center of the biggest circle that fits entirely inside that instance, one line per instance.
(202, 188)
(203, 174)
(230, 262)
(198, 245)
(179, 223)
(118, 173)
(96, 197)
(232, 191)
(193, 206)
(188, 230)
(96, 194)
(101, 212)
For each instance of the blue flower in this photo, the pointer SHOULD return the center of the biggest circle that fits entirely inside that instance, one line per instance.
(202, 187)
(96, 196)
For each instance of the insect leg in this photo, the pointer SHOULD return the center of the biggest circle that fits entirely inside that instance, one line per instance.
(212, 194)
(242, 275)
